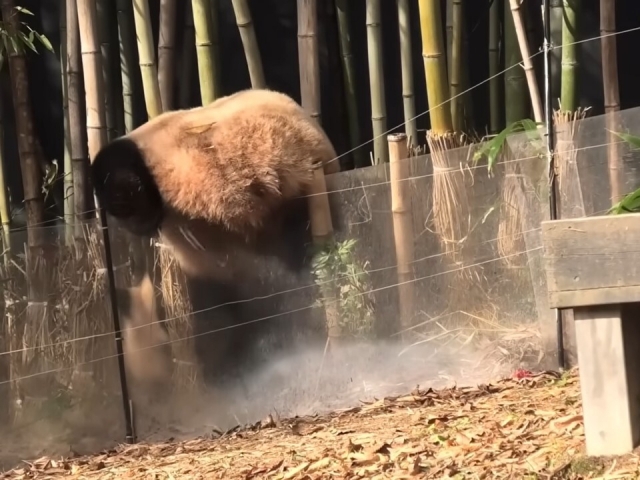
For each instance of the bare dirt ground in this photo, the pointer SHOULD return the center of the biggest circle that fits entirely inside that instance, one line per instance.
(525, 427)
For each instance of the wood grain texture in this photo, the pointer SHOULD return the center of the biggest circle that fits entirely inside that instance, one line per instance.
(592, 261)
(609, 359)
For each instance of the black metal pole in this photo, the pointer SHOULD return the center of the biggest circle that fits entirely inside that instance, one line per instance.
(548, 110)
(108, 260)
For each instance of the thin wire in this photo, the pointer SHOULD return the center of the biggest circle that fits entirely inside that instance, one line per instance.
(271, 295)
(430, 109)
(247, 300)
(270, 316)
(359, 187)
(464, 92)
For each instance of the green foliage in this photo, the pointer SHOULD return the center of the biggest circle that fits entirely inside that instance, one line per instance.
(339, 274)
(14, 42)
(630, 203)
(492, 148)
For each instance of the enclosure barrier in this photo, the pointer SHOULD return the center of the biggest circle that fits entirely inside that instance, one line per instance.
(591, 267)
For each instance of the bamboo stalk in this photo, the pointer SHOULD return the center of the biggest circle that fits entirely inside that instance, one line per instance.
(435, 68)
(82, 197)
(611, 96)
(318, 201)
(166, 53)
(187, 57)
(202, 21)
(569, 79)
(249, 42)
(104, 8)
(376, 82)
(146, 58)
(449, 34)
(399, 170)
(67, 168)
(349, 80)
(27, 143)
(534, 93)
(92, 68)
(515, 83)
(457, 106)
(126, 40)
(5, 217)
(495, 90)
(406, 62)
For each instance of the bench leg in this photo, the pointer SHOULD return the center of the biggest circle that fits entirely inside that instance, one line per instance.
(609, 365)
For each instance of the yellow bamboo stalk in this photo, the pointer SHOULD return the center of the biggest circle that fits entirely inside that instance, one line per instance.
(146, 54)
(249, 42)
(399, 170)
(534, 92)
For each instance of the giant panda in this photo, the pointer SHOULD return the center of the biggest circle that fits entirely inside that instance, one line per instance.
(220, 185)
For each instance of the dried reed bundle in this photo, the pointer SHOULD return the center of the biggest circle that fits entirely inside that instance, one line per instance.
(451, 212)
(510, 237)
(177, 308)
(565, 156)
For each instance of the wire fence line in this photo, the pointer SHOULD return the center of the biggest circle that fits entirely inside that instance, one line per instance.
(269, 317)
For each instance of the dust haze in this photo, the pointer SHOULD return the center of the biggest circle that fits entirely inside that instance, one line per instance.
(312, 381)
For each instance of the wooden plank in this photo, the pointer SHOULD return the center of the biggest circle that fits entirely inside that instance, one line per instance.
(608, 362)
(586, 254)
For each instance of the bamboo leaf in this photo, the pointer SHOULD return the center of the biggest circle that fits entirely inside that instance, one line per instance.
(45, 41)
(23, 10)
(629, 204)
(492, 148)
(632, 140)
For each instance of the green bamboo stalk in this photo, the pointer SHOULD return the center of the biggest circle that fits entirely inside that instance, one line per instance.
(457, 107)
(166, 52)
(406, 62)
(465, 81)
(569, 79)
(515, 83)
(349, 81)
(495, 88)
(146, 58)
(204, 30)
(435, 68)
(67, 166)
(126, 41)
(104, 33)
(449, 34)
(376, 82)
(249, 42)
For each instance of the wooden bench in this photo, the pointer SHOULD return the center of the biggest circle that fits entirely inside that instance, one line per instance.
(593, 266)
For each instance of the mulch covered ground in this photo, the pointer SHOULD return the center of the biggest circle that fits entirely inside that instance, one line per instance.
(526, 427)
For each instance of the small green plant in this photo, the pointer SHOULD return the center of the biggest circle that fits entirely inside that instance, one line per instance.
(630, 203)
(337, 270)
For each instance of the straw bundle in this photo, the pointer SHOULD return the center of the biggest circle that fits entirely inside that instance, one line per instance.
(451, 212)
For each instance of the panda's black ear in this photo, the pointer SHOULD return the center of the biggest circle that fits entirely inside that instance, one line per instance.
(125, 187)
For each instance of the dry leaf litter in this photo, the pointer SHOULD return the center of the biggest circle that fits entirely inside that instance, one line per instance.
(526, 427)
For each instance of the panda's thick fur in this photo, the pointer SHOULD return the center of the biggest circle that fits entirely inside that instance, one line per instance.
(220, 185)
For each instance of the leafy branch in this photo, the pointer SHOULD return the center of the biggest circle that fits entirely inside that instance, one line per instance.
(14, 40)
(336, 267)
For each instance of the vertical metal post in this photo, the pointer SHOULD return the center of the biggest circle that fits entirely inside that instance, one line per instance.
(548, 110)
(129, 436)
